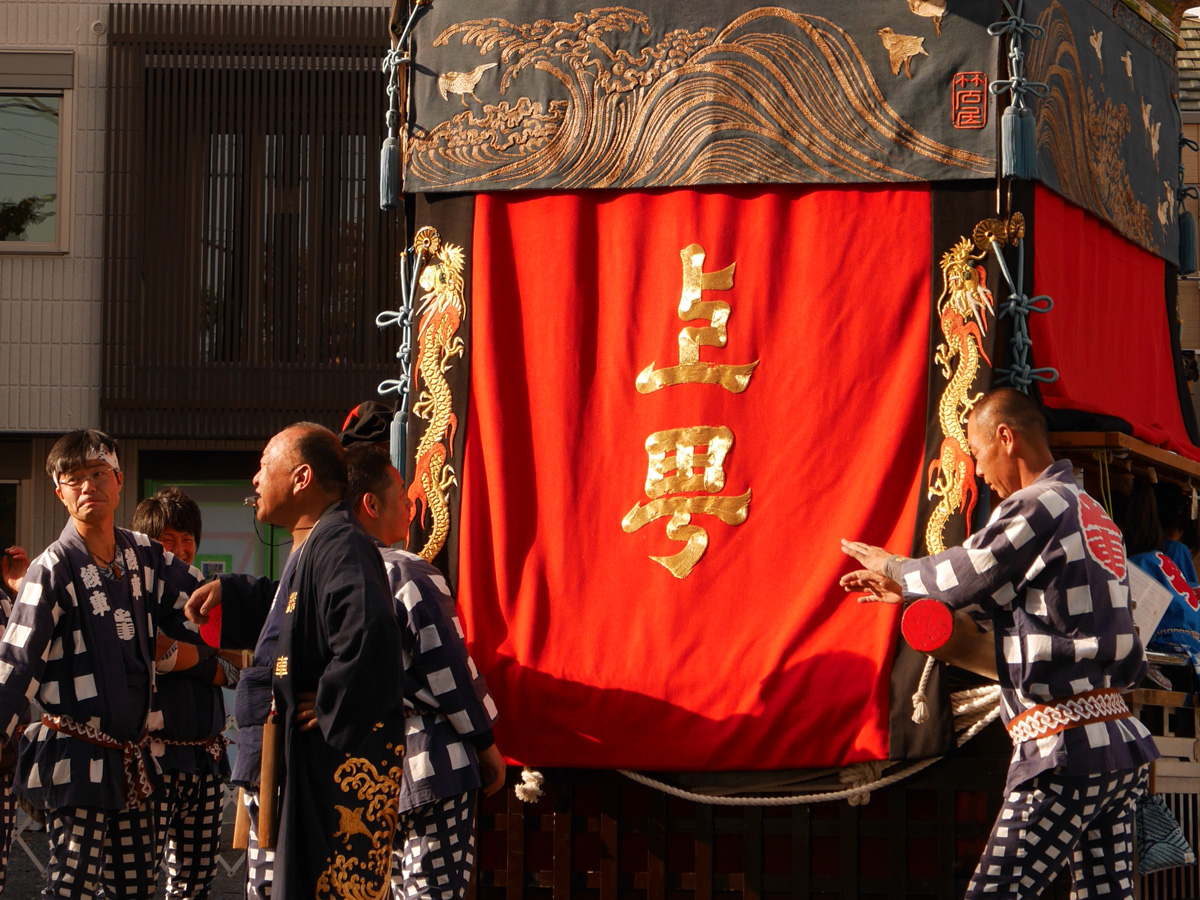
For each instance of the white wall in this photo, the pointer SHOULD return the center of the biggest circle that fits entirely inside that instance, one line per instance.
(50, 305)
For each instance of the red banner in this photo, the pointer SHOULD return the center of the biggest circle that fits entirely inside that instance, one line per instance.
(735, 441)
(1107, 334)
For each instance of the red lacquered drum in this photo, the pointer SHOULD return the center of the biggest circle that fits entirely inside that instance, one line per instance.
(927, 625)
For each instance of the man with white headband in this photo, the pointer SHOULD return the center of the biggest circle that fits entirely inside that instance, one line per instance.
(81, 640)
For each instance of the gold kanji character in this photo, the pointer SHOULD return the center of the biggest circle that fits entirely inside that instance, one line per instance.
(675, 454)
(690, 370)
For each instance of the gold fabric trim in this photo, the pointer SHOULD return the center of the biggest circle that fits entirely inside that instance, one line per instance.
(281, 666)
(964, 309)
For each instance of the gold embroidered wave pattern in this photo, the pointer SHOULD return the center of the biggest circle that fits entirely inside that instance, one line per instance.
(361, 868)
(441, 312)
(1084, 138)
(752, 102)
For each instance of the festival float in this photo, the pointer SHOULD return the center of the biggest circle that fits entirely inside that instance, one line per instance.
(693, 291)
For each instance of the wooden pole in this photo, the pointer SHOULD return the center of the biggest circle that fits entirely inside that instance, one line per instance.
(268, 784)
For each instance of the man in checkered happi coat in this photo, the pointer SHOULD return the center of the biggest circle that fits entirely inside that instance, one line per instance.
(1048, 573)
(187, 721)
(450, 753)
(81, 641)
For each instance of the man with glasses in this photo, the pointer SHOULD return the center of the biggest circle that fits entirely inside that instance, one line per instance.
(81, 641)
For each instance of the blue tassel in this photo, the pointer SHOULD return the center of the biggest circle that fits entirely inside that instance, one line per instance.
(398, 439)
(1018, 143)
(389, 174)
(1187, 242)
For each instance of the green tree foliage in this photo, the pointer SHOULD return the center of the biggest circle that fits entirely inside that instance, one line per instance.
(17, 215)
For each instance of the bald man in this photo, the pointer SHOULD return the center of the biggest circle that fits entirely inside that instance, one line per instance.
(1049, 572)
(328, 645)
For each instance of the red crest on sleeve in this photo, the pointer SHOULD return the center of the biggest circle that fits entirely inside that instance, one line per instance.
(1102, 537)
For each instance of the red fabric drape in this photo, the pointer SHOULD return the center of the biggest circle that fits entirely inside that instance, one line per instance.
(596, 654)
(1107, 334)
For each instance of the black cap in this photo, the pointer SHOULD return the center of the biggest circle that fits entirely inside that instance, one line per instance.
(368, 423)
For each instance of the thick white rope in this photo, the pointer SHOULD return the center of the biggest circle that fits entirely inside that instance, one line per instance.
(919, 701)
(530, 788)
(974, 709)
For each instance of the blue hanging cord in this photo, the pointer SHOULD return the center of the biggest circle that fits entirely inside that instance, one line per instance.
(411, 262)
(389, 155)
(1183, 215)
(1018, 306)
(1018, 126)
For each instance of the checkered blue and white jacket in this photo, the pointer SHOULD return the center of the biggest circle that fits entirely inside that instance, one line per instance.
(448, 708)
(63, 648)
(1049, 571)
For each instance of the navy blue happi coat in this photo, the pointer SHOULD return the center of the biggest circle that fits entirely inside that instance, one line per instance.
(82, 644)
(1049, 572)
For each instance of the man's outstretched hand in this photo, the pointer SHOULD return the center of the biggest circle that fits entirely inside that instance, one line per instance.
(877, 588)
(203, 600)
(873, 558)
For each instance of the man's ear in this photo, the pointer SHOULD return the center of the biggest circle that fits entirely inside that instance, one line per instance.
(302, 477)
(1006, 437)
(370, 504)
(120, 478)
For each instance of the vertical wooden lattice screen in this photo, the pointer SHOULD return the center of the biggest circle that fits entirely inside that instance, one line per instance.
(246, 255)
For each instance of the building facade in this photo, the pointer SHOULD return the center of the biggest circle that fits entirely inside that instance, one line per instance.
(191, 249)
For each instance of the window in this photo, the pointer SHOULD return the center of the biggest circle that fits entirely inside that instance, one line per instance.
(34, 183)
(241, 219)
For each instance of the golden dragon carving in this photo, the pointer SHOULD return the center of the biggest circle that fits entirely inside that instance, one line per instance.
(962, 308)
(441, 312)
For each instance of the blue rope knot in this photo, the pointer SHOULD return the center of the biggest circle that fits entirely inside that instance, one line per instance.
(1022, 375)
(1018, 305)
(393, 386)
(1021, 304)
(392, 59)
(1020, 85)
(391, 317)
(1021, 342)
(1016, 27)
